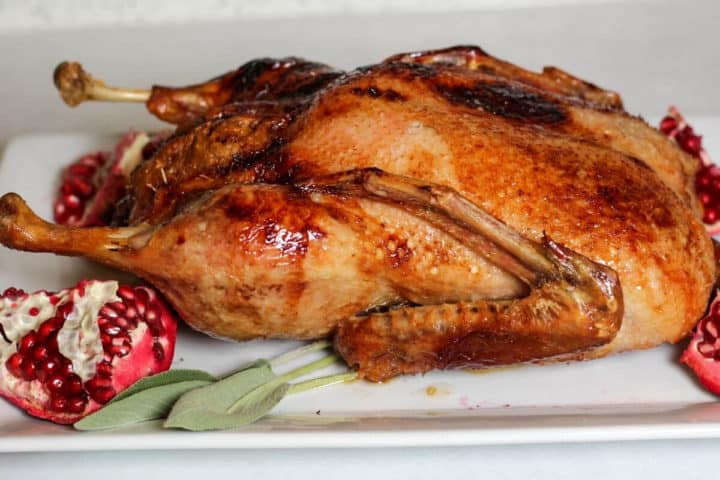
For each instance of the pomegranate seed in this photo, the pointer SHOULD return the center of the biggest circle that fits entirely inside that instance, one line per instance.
(103, 369)
(159, 351)
(51, 342)
(55, 384)
(13, 293)
(58, 403)
(119, 307)
(27, 343)
(107, 311)
(48, 327)
(121, 350)
(66, 368)
(76, 404)
(73, 385)
(112, 330)
(40, 352)
(130, 313)
(124, 323)
(34, 311)
(72, 202)
(97, 382)
(14, 364)
(80, 187)
(103, 395)
(106, 340)
(28, 369)
(126, 293)
(668, 124)
(50, 365)
(710, 216)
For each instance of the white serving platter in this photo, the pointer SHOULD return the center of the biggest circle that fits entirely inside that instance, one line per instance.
(634, 396)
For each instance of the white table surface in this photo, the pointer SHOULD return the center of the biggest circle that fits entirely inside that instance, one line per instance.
(653, 53)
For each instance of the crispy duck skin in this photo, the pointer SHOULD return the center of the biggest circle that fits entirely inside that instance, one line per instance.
(437, 210)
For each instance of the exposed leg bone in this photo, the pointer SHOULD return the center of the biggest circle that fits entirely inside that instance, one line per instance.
(574, 304)
(76, 86)
(22, 229)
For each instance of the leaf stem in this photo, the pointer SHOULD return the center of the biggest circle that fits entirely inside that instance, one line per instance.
(271, 385)
(309, 368)
(299, 352)
(322, 382)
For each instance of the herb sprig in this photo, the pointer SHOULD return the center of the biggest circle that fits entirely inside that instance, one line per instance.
(196, 400)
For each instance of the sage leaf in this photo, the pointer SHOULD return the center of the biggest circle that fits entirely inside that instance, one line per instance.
(148, 404)
(164, 378)
(206, 408)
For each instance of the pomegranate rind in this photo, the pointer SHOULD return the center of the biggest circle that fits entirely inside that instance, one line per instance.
(142, 360)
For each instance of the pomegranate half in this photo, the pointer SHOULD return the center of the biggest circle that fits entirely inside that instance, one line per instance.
(703, 352)
(64, 355)
(92, 186)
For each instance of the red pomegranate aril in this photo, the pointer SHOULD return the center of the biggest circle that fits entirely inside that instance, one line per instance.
(13, 293)
(158, 351)
(66, 368)
(39, 353)
(668, 124)
(58, 403)
(108, 312)
(50, 365)
(76, 404)
(28, 369)
(121, 350)
(112, 330)
(103, 369)
(73, 385)
(27, 343)
(51, 342)
(14, 364)
(98, 382)
(103, 395)
(126, 293)
(55, 384)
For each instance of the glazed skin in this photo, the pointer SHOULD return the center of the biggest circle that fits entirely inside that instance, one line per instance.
(244, 220)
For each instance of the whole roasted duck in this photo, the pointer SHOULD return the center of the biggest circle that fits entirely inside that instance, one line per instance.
(437, 210)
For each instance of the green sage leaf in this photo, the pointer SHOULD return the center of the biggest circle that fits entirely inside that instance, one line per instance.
(206, 408)
(148, 404)
(164, 378)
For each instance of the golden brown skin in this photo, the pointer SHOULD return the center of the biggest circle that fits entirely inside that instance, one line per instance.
(546, 154)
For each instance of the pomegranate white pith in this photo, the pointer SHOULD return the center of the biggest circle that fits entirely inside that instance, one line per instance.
(64, 355)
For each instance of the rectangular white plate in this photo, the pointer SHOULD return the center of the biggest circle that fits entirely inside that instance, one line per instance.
(639, 395)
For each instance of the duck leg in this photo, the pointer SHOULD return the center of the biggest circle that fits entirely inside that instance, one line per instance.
(574, 304)
(263, 79)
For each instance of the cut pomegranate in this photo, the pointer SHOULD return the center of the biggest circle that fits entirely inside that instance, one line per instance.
(707, 179)
(92, 186)
(703, 352)
(63, 355)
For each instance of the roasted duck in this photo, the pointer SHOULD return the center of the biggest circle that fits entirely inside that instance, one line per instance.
(437, 210)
